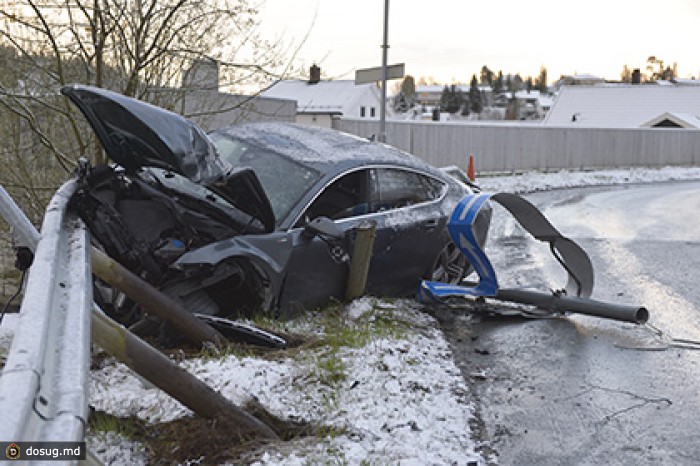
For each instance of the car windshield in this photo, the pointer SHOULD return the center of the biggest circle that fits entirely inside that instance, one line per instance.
(285, 181)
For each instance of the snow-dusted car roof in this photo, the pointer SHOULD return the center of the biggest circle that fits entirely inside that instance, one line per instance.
(313, 144)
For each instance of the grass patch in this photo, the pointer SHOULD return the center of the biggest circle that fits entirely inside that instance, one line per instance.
(322, 342)
(127, 427)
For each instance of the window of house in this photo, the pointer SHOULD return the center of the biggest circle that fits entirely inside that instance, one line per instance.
(362, 112)
(371, 112)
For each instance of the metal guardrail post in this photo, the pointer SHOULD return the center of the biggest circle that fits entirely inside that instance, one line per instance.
(361, 257)
(18, 221)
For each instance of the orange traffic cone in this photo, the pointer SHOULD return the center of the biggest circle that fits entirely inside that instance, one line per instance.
(470, 169)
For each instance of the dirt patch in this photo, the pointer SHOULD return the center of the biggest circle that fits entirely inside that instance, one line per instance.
(205, 441)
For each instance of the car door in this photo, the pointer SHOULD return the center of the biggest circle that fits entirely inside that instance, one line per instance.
(319, 264)
(410, 229)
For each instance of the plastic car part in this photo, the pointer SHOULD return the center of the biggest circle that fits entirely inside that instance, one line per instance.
(574, 298)
(246, 333)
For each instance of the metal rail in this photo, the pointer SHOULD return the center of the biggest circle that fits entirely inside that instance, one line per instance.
(43, 386)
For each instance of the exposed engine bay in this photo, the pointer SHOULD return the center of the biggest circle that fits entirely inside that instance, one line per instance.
(146, 226)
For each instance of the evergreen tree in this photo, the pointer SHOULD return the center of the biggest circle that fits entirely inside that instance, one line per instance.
(516, 84)
(486, 76)
(475, 103)
(408, 87)
(445, 98)
(498, 84)
(452, 99)
(541, 81)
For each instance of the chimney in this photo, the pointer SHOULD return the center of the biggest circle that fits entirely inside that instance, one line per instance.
(314, 74)
(202, 75)
(636, 76)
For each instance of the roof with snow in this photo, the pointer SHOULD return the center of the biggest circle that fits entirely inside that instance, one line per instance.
(323, 97)
(620, 106)
(674, 120)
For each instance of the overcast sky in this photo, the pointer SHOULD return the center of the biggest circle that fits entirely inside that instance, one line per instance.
(452, 39)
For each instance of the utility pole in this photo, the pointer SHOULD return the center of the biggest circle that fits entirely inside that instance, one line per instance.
(385, 49)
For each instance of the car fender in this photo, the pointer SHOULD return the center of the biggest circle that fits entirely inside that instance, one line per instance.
(270, 253)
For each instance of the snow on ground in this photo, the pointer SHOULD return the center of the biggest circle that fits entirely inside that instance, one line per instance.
(395, 396)
(540, 181)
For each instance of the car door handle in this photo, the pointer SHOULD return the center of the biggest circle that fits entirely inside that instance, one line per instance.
(431, 224)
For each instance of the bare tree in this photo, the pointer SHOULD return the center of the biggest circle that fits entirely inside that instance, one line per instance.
(149, 49)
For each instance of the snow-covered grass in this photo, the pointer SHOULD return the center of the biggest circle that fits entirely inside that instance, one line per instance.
(393, 395)
(382, 378)
(542, 181)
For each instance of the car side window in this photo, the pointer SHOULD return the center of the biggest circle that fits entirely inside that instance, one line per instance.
(393, 188)
(345, 197)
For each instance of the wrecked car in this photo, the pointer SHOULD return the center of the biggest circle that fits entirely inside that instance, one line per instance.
(258, 216)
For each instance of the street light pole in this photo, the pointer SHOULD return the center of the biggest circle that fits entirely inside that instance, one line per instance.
(385, 49)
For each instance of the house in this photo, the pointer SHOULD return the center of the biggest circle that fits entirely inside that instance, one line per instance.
(531, 105)
(318, 101)
(625, 106)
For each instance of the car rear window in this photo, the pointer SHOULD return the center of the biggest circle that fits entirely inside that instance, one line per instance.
(285, 181)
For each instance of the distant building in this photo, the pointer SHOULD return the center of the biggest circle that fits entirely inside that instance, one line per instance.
(532, 105)
(429, 95)
(199, 99)
(626, 106)
(579, 80)
(319, 101)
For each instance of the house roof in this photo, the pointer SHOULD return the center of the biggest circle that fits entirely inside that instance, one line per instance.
(682, 120)
(323, 97)
(620, 106)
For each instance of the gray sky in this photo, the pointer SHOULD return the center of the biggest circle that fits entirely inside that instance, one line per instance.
(451, 40)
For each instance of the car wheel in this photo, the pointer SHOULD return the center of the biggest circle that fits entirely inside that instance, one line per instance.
(450, 266)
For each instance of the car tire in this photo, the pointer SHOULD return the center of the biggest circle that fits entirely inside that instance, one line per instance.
(450, 265)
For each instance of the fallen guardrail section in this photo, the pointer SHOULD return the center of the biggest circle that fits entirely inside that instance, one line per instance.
(43, 386)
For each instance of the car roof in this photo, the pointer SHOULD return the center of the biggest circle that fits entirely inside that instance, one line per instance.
(315, 145)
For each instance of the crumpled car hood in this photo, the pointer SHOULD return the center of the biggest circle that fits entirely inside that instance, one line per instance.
(136, 134)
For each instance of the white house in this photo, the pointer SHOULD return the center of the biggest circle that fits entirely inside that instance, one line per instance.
(319, 101)
(625, 106)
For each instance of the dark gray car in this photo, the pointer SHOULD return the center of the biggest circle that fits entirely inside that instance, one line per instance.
(258, 216)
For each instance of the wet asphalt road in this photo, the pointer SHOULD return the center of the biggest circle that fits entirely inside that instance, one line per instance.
(581, 390)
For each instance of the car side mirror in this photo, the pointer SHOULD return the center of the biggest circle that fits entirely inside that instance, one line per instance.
(322, 226)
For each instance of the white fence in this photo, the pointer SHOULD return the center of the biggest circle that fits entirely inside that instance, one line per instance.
(503, 147)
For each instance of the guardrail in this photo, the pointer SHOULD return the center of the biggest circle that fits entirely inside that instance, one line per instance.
(43, 386)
